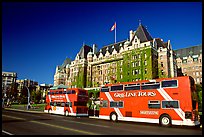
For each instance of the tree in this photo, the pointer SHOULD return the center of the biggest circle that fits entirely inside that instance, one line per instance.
(199, 92)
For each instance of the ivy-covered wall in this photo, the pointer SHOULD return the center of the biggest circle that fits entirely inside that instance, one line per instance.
(145, 63)
(80, 79)
(139, 58)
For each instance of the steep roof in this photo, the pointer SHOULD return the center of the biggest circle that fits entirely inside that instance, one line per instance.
(160, 43)
(142, 34)
(185, 52)
(111, 47)
(85, 49)
(66, 61)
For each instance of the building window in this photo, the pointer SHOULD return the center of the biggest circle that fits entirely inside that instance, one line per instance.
(133, 64)
(162, 65)
(145, 70)
(195, 59)
(162, 72)
(184, 61)
(145, 62)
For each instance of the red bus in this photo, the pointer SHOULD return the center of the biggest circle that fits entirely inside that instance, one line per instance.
(68, 102)
(166, 101)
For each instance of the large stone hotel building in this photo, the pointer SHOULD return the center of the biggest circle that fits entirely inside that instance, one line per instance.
(189, 62)
(140, 57)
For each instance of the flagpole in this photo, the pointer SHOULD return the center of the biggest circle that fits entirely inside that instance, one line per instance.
(115, 31)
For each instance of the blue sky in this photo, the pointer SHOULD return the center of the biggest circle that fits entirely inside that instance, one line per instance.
(36, 37)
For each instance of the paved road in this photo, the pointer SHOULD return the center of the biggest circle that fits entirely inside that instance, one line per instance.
(24, 123)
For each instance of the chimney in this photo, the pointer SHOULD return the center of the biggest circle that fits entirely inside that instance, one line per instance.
(94, 48)
(131, 34)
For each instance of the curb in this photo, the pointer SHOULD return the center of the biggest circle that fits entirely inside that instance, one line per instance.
(23, 110)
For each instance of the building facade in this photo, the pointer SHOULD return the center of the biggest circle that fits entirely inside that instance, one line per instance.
(8, 86)
(189, 61)
(137, 58)
(8, 78)
(24, 84)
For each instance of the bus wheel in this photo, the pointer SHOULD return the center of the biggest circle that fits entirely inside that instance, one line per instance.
(113, 117)
(66, 113)
(165, 120)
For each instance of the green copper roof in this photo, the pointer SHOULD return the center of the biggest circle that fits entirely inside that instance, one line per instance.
(59, 87)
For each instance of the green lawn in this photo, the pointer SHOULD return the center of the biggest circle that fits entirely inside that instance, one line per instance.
(36, 107)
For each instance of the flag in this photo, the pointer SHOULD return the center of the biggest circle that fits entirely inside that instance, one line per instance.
(113, 27)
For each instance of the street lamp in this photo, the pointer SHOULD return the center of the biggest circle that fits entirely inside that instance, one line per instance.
(28, 106)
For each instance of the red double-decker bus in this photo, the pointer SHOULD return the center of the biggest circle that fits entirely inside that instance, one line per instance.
(68, 102)
(166, 101)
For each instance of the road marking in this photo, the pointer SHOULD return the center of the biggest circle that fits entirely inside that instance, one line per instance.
(7, 132)
(87, 123)
(14, 117)
(66, 128)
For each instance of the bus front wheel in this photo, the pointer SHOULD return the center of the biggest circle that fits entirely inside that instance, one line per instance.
(113, 117)
(165, 120)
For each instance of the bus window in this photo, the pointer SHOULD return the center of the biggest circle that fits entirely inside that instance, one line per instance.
(73, 92)
(58, 104)
(62, 104)
(116, 104)
(104, 89)
(48, 93)
(150, 86)
(64, 92)
(104, 103)
(51, 104)
(60, 92)
(132, 87)
(118, 87)
(69, 92)
(154, 104)
(57, 92)
(68, 104)
(82, 92)
(170, 104)
(169, 83)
